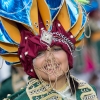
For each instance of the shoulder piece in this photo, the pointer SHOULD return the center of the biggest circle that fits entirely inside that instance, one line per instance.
(85, 91)
(37, 90)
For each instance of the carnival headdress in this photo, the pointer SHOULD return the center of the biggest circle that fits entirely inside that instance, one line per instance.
(64, 20)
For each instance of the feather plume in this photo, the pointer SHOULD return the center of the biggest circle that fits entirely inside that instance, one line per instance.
(84, 1)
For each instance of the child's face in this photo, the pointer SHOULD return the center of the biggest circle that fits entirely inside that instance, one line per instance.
(51, 64)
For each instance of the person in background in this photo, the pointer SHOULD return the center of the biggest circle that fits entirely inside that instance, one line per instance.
(13, 83)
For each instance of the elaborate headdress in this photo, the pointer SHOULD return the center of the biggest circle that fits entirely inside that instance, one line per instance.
(31, 25)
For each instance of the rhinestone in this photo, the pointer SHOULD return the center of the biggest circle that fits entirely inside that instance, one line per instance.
(93, 96)
(58, 24)
(5, 99)
(87, 90)
(71, 36)
(38, 83)
(30, 93)
(26, 53)
(42, 28)
(8, 95)
(47, 21)
(47, 24)
(31, 70)
(89, 97)
(35, 23)
(37, 98)
(46, 37)
(26, 38)
(36, 26)
(20, 56)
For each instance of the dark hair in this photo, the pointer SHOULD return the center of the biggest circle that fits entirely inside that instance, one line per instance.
(73, 83)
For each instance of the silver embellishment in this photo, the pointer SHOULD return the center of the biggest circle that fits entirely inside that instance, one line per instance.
(26, 38)
(65, 39)
(31, 70)
(8, 95)
(37, 98)
(71, 36)
(58, 24)
(20, 56)
(47, 21)
(26, 53)
(46, 37)
(47, 25)
(42, 28)
(89, 97)
(35, 23)
(37, 26)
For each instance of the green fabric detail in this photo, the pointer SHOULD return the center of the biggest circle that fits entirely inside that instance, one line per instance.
(94, 88)
(6, 88)
(17, 94)
(23, 96)
(79, 91)
(45, 95)
(35, 85)
(38, 87)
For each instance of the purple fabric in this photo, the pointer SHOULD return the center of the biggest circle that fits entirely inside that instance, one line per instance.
(32, 45)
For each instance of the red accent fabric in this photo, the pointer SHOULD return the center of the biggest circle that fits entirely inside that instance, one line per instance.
(32, 45)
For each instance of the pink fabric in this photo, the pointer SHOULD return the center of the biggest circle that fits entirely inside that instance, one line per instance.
(89, 65)
(32, 45)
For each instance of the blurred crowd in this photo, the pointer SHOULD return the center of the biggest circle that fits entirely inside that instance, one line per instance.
(12, 79)
(87, 56)
(86, 61)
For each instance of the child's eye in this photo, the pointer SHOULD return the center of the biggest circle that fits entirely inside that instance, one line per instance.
(40, 53)
(57, 49)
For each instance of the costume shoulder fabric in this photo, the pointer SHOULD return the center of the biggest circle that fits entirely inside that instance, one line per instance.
(20, 95)
(85, 91)
(35, 90)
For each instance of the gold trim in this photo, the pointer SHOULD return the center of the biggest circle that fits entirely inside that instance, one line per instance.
(86, 85)
(44, 12)
(10, 57)
(64, 18)
(79, 43)
(80, 34)
(32, 82)
(76, 28)
(34, 17)
(9, 47)
(11, 29)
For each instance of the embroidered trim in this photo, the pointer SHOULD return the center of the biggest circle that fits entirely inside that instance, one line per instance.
(35, 90)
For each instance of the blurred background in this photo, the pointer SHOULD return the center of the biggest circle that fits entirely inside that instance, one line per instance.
(86, 60)
(87, 56)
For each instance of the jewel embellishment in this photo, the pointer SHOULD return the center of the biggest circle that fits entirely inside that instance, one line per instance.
(46, 37)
